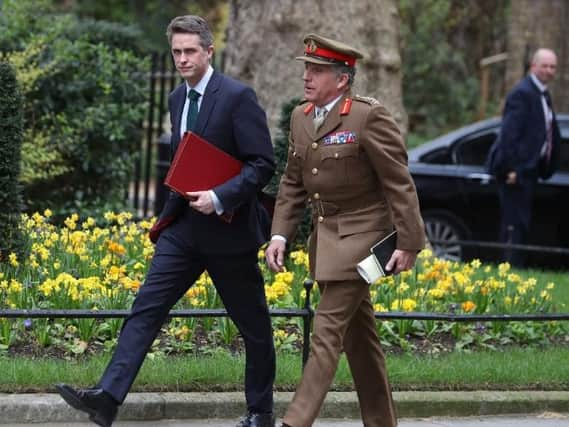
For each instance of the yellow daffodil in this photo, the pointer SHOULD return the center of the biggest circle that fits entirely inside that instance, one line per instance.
(13, 259)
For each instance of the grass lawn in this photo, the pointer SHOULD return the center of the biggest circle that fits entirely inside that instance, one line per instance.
(516, 368)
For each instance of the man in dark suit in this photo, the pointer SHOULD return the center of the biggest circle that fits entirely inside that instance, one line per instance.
(194, 234)
(528, 149)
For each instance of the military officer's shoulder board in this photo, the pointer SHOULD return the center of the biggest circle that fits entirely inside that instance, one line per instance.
(367, 99)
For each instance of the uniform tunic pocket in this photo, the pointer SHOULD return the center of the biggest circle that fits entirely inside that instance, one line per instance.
(341, 159)
(298, 152)
(339, 151)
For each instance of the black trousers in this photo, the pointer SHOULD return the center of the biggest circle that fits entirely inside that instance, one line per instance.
(174, 269)
(516, 206)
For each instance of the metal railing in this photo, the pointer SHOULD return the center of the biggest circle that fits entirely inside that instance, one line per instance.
(449, 317)
(499, 245)
(306, 313)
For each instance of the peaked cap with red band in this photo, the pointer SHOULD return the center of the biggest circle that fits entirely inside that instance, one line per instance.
(325, 51)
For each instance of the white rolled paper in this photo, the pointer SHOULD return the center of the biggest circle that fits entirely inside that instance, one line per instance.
(369, 269)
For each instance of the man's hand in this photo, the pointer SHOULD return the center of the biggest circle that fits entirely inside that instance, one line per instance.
(201, 202)
(401, 260)
(274, 255)
(511, 178)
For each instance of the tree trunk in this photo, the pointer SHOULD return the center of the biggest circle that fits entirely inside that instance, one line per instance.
(264, 37)
(535, 24)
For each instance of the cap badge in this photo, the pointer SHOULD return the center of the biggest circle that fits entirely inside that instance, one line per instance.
(311, 46)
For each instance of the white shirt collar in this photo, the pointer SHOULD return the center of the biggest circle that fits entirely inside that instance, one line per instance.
(202, 84)
(548, 114)
(200, 88)
(539, 84)
(328, 107)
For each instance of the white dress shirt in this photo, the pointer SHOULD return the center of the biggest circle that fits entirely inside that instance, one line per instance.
(548, 114)
(200, 88)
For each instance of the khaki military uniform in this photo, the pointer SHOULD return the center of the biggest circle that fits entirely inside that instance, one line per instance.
(358, 190)
(353, 172)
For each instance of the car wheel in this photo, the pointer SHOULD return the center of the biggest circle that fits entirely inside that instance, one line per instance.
(442, 229)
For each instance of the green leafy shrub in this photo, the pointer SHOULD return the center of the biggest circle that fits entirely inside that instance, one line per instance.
(440, 91)
(10, 143)
(280, 144)
(84, 86)
(281, 154)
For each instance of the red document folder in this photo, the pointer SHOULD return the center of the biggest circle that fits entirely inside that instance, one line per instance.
(200, 166)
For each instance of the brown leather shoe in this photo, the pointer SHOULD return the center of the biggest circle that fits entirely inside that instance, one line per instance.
(99, 404)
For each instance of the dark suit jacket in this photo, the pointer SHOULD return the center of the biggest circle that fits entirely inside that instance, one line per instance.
(523, 134)
(231, 119)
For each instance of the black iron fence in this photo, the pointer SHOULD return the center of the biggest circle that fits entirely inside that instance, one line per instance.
(162, 80)
(556, 250)
(306, 314)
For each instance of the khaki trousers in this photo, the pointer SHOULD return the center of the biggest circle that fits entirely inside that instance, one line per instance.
(344, 321)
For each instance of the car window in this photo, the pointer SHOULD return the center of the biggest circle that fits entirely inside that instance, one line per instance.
(472, 150)
(564, 160)
(564, 129)
(440, 156)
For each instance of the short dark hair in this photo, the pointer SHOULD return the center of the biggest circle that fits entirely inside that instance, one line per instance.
(190, 24)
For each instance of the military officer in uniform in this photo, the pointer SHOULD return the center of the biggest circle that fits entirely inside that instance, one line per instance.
(348, 160)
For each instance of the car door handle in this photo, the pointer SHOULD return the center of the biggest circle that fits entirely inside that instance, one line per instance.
(483, 178)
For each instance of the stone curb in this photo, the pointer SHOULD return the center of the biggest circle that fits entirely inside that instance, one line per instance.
(44, 408)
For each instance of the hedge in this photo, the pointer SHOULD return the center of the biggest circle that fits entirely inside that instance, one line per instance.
(10, 146)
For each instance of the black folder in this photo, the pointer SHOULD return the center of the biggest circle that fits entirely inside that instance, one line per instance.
(383, 250)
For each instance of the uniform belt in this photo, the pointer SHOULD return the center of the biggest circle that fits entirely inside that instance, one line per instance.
(322, 208)
(325, 208)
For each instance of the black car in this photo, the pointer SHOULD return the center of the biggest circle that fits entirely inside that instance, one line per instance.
(459, 200)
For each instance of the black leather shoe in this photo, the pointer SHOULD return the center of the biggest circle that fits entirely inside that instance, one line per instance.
(253, 419)
(99, 404)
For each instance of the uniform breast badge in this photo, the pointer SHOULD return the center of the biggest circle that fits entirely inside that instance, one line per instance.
(342, 137)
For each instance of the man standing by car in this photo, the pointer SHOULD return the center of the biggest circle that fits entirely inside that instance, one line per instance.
(192, 238)
(348, 159)
(528, 149)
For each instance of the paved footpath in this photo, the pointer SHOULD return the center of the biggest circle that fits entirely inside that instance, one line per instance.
(544, 420)
(416, 409)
